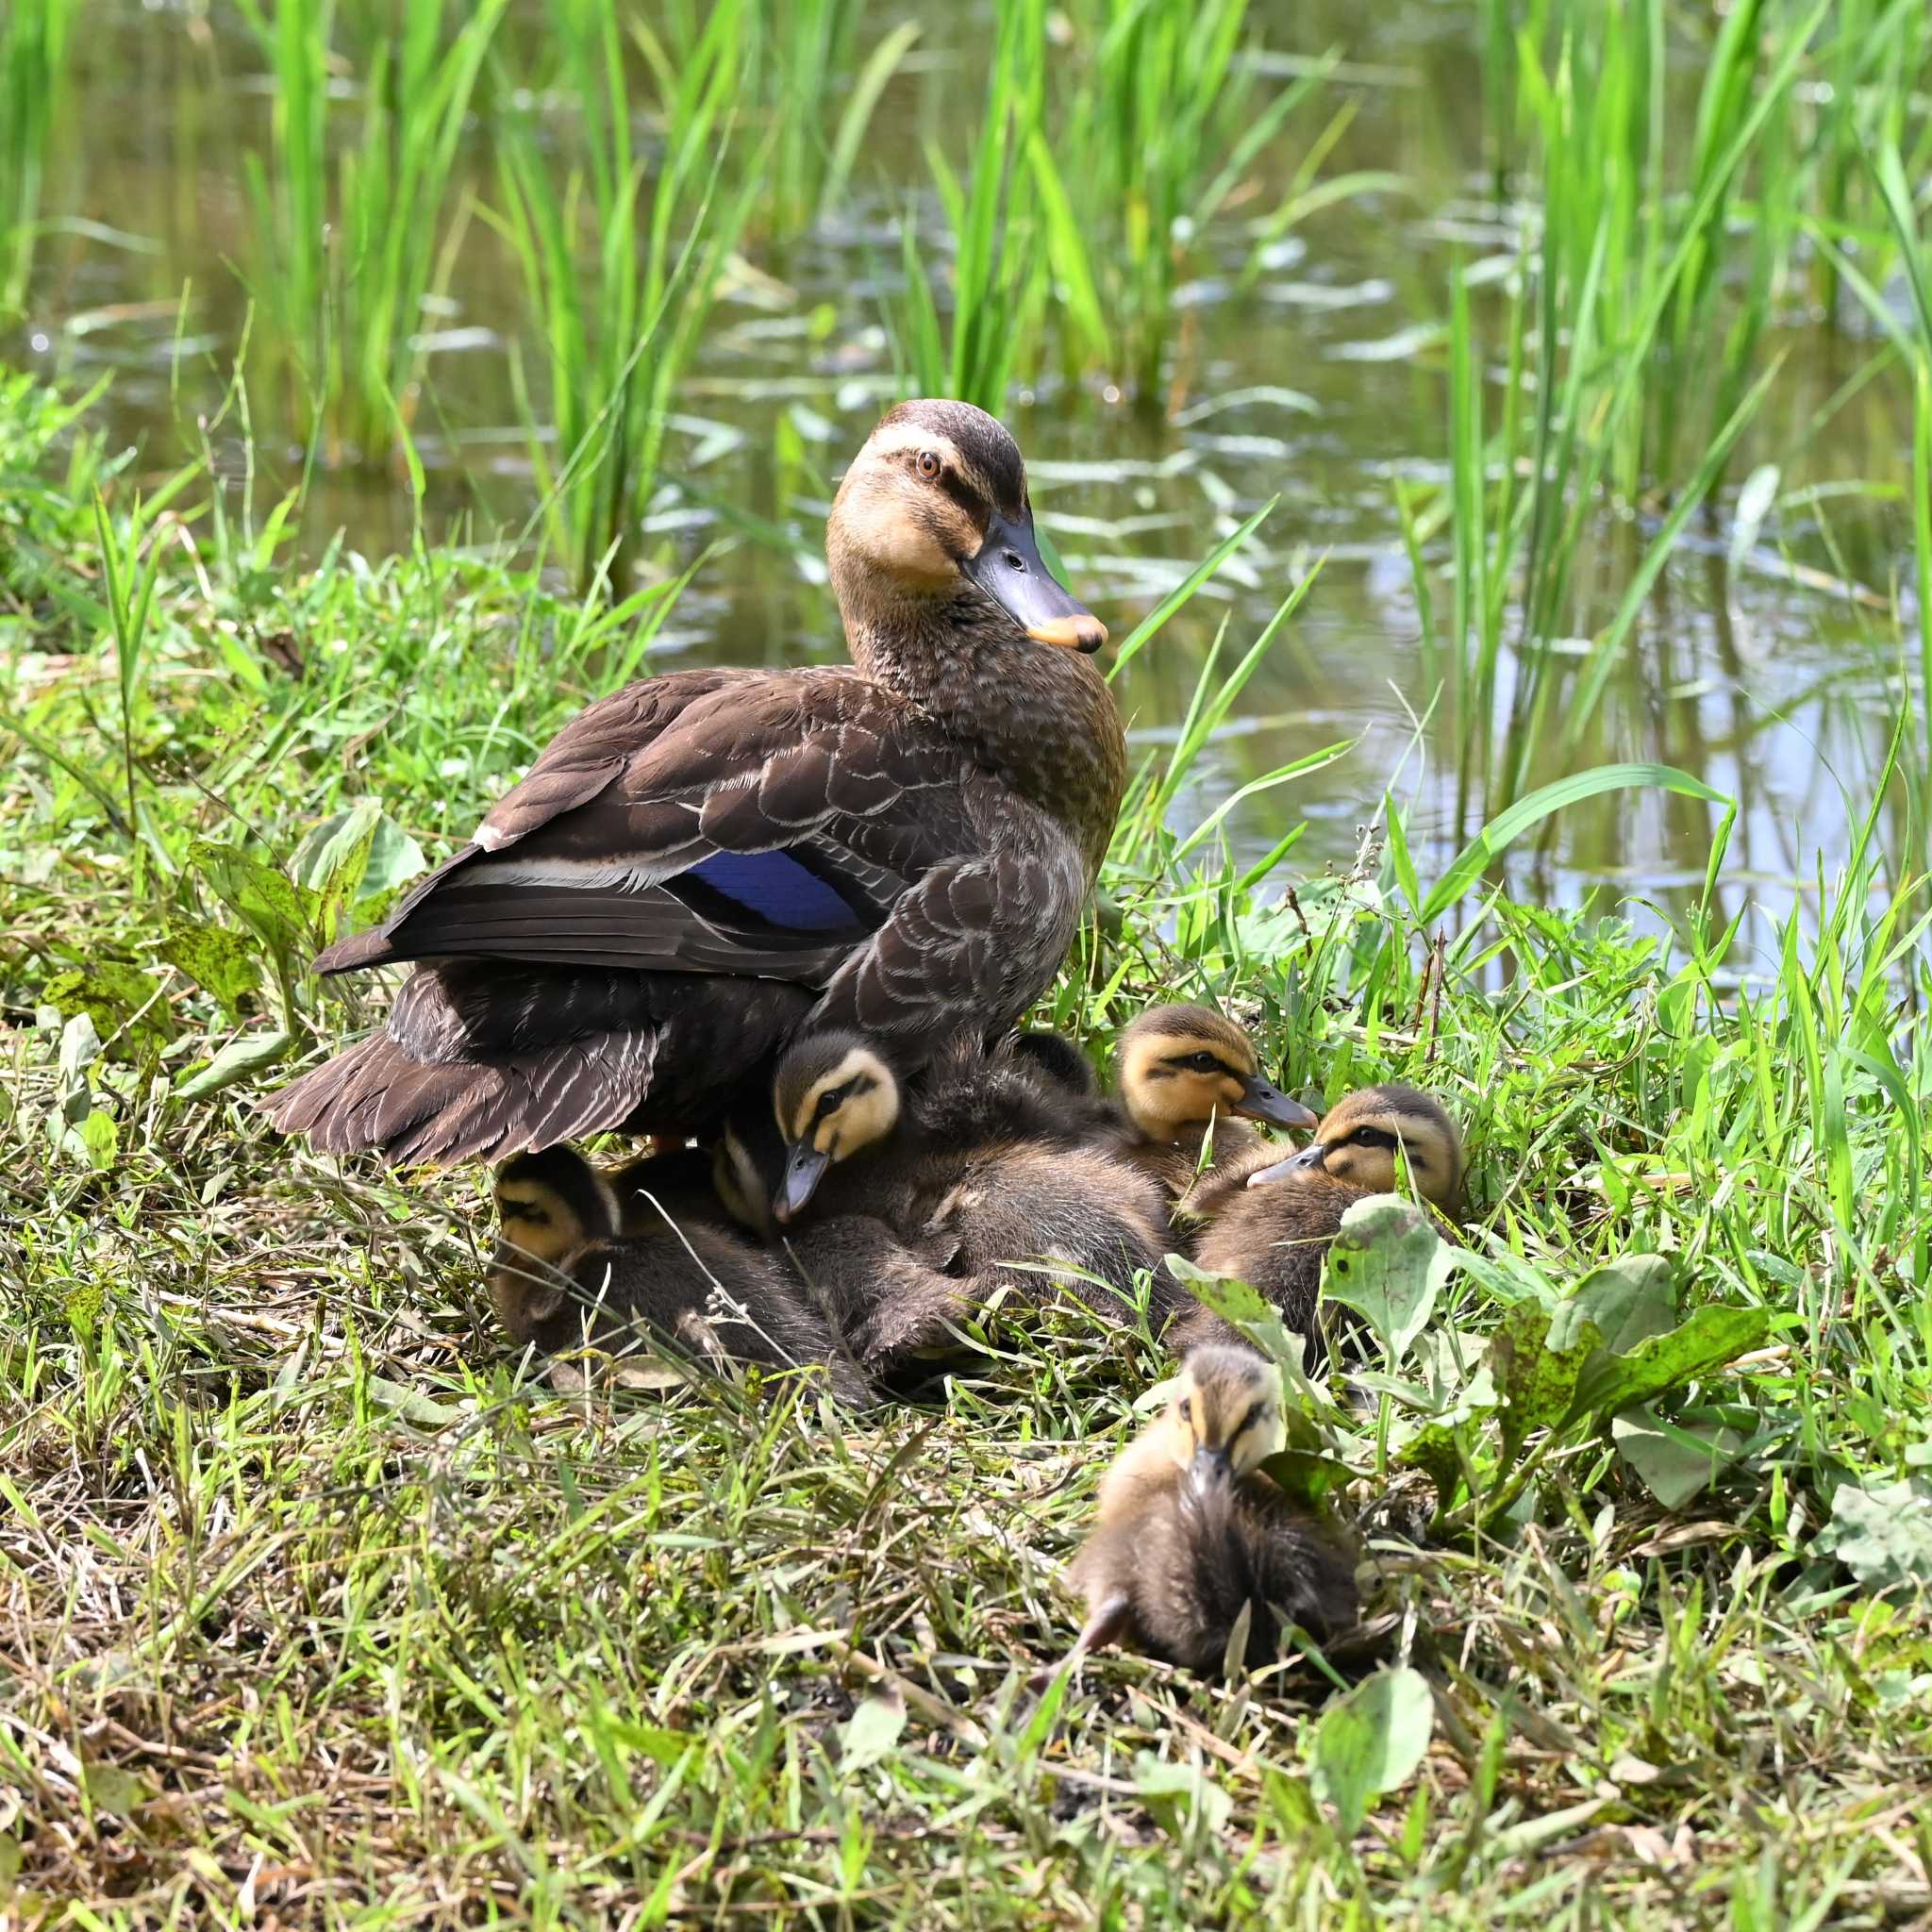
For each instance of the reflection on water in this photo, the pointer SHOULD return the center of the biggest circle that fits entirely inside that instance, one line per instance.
(1767, 674)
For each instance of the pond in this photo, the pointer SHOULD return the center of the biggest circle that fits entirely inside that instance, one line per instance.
(1766, 659)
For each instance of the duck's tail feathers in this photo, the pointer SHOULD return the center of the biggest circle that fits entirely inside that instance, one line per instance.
(375, 1096)
(360, 949)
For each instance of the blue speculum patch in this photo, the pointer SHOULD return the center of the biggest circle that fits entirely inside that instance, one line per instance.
(777, 888)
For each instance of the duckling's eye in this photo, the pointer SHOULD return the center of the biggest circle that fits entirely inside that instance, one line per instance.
(516, 1210)
(928, 464)
(1203, 1063)
(830, 1102)
(1187, 1409)
(1374, 1137)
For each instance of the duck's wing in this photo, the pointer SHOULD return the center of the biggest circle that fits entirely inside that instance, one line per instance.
(971, 942)
(745, 823)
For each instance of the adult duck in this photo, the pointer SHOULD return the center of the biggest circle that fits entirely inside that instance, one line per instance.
(704, 860)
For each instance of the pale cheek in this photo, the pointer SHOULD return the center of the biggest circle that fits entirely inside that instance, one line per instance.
(905, 546)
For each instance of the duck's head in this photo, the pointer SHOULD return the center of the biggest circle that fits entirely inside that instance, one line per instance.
(934, 514)
(1183, 1065)
(548, 1204)
(1225, 1416)
(1360, 1136)
(833, 1095)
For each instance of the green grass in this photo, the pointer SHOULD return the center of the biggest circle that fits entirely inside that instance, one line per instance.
(36, 43)
(348, 232)
(322, 1609)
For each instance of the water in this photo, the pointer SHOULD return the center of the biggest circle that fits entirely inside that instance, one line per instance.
(1773, 678)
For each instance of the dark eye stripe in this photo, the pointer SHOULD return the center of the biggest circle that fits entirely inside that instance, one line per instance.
(963, 493)
(1248, 1422)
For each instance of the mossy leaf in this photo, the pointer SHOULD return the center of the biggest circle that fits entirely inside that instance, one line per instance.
(121, 1000)
(220, 961)
(1713, 1336)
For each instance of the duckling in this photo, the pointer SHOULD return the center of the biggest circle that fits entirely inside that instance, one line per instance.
(562, 1273)
(1191, 1533)
(1183, 1072)
(1270, 1225)
(973, 1174)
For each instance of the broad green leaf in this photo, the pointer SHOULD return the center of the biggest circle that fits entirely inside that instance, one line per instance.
(1388, 1264)
(91, 1139)
(1246, 1307)
(220, 962)
(121, 1002)
(1371, 1741)
(1676, 1461)
(1305, 1475)
(1882, 1532)
(1507, 826)
(118, 1792)
(1629, 1300)
(254, 1052)
(1536, 1383)
(871, 1731)
(1178, 1795)
(356, 854)
(1712, 1336)
(410, 1403)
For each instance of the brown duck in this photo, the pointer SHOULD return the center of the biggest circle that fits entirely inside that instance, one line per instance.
(701, 863)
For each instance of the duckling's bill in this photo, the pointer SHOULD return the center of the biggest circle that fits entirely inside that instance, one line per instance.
(1310, 1159)
(1263, 1101)
(1010, 569)
(805, 1167)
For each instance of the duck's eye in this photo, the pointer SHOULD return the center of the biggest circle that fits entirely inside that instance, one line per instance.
(1203, 1063)
(829, 1103)
(1374, 1137)
(516, 1210)
(928, 464)
(1186, 1409)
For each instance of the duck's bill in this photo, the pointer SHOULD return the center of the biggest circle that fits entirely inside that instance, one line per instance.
(804, 1170)
(1009, 569)
(1211, 1468)
(1261, 1101)
(1309, 1160)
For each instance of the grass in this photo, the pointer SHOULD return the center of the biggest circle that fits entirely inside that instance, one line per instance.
(347, 249)
(36, 40)
(323, 1608)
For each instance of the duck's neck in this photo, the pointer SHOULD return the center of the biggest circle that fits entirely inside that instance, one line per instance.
(1037, 716)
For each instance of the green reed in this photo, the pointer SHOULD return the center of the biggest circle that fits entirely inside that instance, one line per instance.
(818, 69)
(353, 235)
(36, 38)
(997, 282)
(619, 266)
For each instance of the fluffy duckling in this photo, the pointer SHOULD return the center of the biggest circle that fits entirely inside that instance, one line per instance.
(930, 1200)
(1269, 1225)
(562, 1271)
(1191, 1533)
(1184, 1073)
